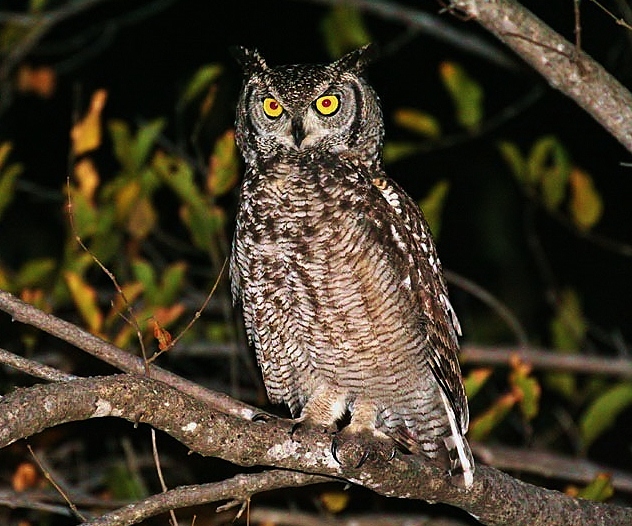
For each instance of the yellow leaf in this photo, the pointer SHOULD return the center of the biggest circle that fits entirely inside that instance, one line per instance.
(599, 489)
(432, 205)
(87, 178)
(418, 122)
(475, 380)
(127, 198)
(335, 501)
(223, 167)
(142, 219)
(86, 134)
(85, 298)
(586, 205)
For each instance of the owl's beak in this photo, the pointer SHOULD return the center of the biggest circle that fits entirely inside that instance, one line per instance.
(298, 131)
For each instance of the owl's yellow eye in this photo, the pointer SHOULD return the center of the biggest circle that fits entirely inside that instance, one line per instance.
(327, 104)
(272, 107)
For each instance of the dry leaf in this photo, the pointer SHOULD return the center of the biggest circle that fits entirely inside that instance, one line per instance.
(25, 477)
(86, 134)
(39, 80)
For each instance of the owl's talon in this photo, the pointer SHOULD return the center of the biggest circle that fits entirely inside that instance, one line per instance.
(354, 450)
(295, 427)
(261, 417)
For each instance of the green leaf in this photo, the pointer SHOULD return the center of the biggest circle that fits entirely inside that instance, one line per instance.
(394, 150)
(122, 143)
(34, 273)
(202, 219)
(145, 273)
(568, 327)
(466, 95)
(586, 205)
(8, 177)
(549, 165)
(145, 140)
(125, 484)
(133, 151)
(568, 330)
(599, 489)
(475, 380)
(526, 389)
(603, 411)
(171, 282)
(484, 424)
(344, 30)
(432, 205)
(224, 165)
(37, 6)
(418, 122)
(514, 158)
(201, 81)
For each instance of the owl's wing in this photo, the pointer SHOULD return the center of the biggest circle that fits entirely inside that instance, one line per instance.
(411, 234)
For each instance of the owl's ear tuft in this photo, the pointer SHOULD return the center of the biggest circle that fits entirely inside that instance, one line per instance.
(249, 59)
(357, 60)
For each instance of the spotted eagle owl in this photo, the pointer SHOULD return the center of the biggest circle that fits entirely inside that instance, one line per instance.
(333, 263)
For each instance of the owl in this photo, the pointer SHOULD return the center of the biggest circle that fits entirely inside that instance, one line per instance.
(335, 268)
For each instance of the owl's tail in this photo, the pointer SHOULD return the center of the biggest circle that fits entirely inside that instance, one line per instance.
(459, 453)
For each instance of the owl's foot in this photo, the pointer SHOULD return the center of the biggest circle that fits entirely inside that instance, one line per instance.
(300, 426)
(352, 450)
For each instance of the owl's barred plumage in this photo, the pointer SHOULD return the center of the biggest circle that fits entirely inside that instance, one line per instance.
(334, 265)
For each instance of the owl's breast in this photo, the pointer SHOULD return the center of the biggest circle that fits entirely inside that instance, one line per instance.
(324, 283)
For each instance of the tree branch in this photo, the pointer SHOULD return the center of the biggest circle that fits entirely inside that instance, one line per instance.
(576, 75)
(241, 487)
(547, 359)
(25, 313)
(495, 498)
(550, 465)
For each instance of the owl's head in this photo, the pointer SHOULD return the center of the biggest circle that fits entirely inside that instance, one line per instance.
(308, 108)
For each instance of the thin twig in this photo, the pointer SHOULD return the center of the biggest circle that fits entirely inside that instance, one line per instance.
(34, 368)
(161, 478)
(57, 486)
(492, 302)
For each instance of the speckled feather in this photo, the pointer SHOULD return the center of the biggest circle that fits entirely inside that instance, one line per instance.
(341, 287)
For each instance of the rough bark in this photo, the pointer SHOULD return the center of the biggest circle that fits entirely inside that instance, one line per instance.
(495, 498)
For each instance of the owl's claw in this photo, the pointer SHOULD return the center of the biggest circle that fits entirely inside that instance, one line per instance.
(334, 453)
(261, 417)
(353, 450)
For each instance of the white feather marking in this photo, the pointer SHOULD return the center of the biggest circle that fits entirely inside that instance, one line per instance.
(457, 440)
(453, 317)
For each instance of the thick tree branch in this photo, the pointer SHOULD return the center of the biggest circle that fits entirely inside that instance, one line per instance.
(25, 313)
(495, 498)
(576, 75)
